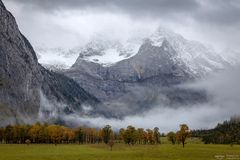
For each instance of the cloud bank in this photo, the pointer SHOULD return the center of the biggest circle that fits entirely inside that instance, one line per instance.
(222, 87)
(53, 22)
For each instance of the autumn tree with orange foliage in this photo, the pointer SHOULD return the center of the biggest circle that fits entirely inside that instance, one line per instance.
(183, 134)
(55, 133)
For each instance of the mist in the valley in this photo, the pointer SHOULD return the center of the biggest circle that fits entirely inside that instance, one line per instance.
(224, 92)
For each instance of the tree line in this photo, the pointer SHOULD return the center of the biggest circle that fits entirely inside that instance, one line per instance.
(44, 133)
(227, 132)
(56, 134)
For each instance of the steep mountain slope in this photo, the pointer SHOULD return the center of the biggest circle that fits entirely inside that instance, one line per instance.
(26, 86)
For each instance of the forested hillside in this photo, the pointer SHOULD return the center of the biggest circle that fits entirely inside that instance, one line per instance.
(227, 132)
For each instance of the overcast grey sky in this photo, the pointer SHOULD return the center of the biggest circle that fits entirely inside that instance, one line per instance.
(72, 22)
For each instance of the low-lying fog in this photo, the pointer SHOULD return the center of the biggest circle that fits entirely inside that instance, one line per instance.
(222, 87)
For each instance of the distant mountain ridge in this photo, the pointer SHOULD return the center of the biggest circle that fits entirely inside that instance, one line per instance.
(102, 51)
(147, 78)
(199, 58)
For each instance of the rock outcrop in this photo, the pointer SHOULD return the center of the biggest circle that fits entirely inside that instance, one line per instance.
(25, 83)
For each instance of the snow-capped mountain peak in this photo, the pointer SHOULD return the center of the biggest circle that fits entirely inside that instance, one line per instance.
(107, 52)
(162, 34)
(56, 58)
(199, 58)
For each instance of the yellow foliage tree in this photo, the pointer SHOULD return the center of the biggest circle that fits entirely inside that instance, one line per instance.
(183, 134)
(55, 133)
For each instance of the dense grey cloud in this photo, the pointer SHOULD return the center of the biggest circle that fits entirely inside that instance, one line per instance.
(220, 12)
(210, 11)
(209, 21)
(157, 6)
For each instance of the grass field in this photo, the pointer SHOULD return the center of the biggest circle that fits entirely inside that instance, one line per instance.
(120, 152)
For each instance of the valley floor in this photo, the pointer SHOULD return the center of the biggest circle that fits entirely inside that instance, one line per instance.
(119, 152)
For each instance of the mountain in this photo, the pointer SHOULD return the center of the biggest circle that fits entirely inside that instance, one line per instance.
(99, 50)
(57, 58)
(108, 52)
(200, 59)
(150, 77)
(105, 77)
(29, 92)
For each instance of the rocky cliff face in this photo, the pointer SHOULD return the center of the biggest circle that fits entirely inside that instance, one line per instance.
(25, 83)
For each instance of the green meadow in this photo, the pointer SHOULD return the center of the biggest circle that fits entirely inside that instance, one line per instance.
(193, 151)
